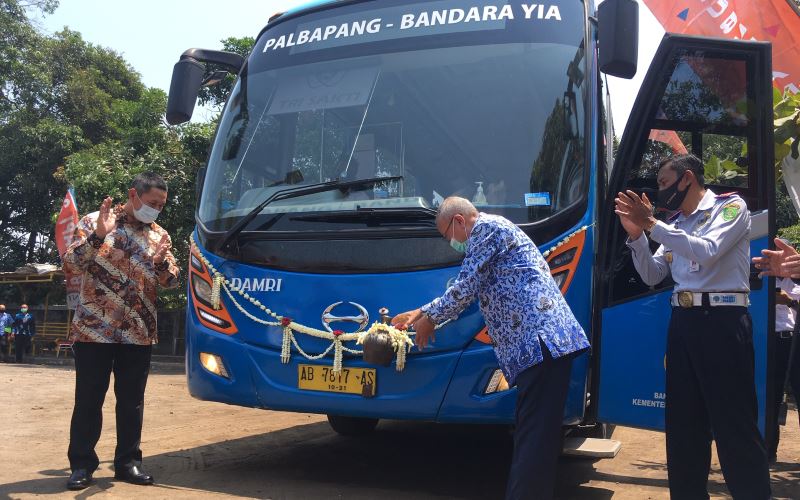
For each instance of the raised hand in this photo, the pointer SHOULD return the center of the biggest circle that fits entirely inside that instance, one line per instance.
(784, 262)
(107, 219)
(162, 249)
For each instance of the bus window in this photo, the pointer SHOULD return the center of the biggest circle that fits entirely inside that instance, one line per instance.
(725, 160)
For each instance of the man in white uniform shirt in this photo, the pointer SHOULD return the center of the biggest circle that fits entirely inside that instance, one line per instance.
(786, 296)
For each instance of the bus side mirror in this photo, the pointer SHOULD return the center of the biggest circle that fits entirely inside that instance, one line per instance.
(618, 37)
(188, 75)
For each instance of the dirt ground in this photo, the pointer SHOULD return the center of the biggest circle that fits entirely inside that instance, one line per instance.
(197, 449)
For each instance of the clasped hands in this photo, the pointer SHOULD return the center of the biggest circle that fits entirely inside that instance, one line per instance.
(635, 213)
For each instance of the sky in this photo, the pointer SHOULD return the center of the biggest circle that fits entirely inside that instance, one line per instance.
(151, 35)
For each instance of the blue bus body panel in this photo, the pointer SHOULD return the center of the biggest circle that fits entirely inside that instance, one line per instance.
(443, 383)
(634, 342)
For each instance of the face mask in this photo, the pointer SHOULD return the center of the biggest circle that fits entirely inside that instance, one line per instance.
(145, 214)
(23, 310)
(671, 198)
(458, 246)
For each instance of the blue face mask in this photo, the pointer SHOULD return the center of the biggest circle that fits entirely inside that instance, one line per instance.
(458, 246)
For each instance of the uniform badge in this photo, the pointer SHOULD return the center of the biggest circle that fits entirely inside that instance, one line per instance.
(730, 211)
(703, 220)
(668, 256)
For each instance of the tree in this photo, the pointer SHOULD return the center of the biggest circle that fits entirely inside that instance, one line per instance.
(60, 95)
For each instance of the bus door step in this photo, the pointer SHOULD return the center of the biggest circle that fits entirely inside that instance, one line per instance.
(591, 447)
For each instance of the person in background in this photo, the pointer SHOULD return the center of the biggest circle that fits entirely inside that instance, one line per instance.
(6, 328)
(123, 257)
(24, 330)
(786, 296)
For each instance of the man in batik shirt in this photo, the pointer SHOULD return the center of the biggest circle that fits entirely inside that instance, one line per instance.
(123, 257)
(534, 332)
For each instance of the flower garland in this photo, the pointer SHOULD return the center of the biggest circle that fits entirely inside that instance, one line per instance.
(337, 337)
(566, 239)
(401, 342)
(401, 339)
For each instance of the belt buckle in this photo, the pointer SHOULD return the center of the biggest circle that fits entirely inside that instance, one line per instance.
(685, 299)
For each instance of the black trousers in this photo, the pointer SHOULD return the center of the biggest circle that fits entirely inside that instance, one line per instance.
(542, 392)
(778, 376)
(21, 345)
(94, 363)
(711, 395)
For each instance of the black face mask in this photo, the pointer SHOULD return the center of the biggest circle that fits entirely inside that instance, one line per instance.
(671, 198)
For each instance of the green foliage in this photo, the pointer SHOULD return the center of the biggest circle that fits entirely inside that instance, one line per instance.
(73, 113)
(724, 172)
(786, 113)
(791, 233)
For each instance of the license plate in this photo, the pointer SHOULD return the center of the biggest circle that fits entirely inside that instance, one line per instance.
(349, 380)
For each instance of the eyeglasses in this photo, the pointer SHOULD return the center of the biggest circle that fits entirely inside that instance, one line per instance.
(444, 236)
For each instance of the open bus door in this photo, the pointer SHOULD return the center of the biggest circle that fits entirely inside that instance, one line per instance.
(713, 98)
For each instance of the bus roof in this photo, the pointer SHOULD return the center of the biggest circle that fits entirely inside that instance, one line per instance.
(310, 4)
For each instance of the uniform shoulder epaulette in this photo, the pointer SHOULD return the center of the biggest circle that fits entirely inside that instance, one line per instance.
(726, 195)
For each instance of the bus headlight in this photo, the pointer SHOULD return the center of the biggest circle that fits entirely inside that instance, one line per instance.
(213, 364)
(563, 258)
(497, 383)
(202, 289)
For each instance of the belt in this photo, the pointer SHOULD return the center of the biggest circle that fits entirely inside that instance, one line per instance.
(697, 299)
(786, 334)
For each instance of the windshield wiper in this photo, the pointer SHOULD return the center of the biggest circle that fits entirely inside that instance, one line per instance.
(294, 192)
(375, 215)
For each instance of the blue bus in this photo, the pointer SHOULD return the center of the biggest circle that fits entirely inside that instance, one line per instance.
(348, 124)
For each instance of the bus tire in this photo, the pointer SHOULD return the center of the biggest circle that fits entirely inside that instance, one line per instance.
(352, 426)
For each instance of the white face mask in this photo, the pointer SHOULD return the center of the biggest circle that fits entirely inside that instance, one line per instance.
(145, 214)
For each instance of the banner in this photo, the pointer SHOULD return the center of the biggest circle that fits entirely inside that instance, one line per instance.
(65, 229)
(775, 21)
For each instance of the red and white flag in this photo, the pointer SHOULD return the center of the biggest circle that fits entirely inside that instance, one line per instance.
(65, 230)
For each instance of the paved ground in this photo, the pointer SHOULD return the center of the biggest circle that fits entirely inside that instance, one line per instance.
(208, 450)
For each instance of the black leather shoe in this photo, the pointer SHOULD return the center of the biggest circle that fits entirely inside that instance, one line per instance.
(134, 474)
(79, 479)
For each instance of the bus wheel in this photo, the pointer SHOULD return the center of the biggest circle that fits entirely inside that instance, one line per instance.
(352, 426)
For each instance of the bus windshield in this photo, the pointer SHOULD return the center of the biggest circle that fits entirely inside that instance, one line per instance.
(491, 110)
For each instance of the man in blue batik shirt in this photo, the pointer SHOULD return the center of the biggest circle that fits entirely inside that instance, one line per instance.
(534, 332)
